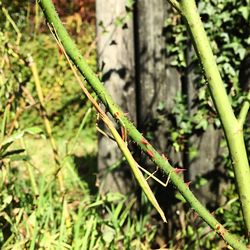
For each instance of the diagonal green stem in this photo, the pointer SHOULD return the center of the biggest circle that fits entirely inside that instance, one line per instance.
(74, 54)
(232, 127)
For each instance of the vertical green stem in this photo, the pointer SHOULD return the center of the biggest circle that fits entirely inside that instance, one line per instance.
(232, 127)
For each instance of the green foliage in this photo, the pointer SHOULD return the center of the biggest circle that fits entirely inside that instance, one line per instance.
(227, 25)
(184, 124)
(65, 104)
(94, 222)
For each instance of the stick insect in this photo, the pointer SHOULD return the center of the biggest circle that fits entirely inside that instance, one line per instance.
(122, 145)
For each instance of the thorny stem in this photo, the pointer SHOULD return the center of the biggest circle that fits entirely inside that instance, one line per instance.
(232, 127)
(75, 55)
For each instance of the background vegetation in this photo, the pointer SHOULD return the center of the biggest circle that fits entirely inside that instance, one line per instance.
(34, 213)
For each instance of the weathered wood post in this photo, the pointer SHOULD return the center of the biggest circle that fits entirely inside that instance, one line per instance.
(115, 50)
(158, 83)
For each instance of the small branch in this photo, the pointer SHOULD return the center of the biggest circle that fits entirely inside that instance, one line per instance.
(244, 110)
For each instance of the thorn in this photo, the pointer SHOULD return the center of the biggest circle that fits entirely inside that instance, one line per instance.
(117, 115)
(165, 157)
(188, 183)
(213, 212)
(179, 170)
(60, 50)
(144, 141)
(220, 230)
(150, 153)
(195, 216)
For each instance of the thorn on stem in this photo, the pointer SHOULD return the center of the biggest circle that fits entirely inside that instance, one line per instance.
(165, 157)
(150, 153)
(195, 216)
(179, 170)
(188, 183)
(220, 230)
(60, 51)
(144, 141)
(117, 115)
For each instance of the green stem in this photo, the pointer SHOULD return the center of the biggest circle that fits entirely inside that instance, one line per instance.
(75, 55)
(232, 127)
(244, 110)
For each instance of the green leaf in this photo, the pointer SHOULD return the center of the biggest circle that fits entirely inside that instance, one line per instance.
(12, 138)
(193, 152)
(6, 201)
(176, 146)
(33, 130)
(202, 124)
(120, 21)
(161, 106)
(114, 197)
(202, 94)
(244, 11)
(12, 152)
(130, 3)
(200, 182)
(108, 234)
(217, 122)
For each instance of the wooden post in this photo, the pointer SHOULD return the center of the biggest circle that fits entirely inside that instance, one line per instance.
(158, 83)
(115, 49)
